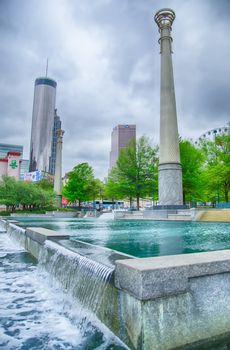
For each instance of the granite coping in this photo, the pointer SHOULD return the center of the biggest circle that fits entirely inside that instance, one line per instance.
(102, 255)
(41, 234)
(151, 278)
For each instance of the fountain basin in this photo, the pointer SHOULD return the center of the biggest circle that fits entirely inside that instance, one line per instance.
(152, 303)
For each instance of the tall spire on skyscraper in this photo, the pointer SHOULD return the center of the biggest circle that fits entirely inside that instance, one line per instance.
(47, 66)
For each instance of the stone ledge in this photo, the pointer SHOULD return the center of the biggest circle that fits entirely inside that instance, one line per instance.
(151, 278)
(40, 234)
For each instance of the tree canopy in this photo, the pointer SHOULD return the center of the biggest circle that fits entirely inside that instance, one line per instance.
(192, 160)
(217, 167)
(135, 173)
(29, 195)
(205, 169)
(80, 185)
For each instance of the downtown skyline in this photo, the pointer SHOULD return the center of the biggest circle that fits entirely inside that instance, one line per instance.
(105, 59)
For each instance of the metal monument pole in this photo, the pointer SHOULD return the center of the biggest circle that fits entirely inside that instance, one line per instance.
(170, 171)
(58, 167)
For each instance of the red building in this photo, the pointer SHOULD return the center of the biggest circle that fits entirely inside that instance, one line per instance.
(10, 165)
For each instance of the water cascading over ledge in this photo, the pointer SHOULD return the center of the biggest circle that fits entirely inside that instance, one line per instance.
(83, 278)
(79, 269)
(17, 233)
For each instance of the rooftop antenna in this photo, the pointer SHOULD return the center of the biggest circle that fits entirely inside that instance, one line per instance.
(47, 65)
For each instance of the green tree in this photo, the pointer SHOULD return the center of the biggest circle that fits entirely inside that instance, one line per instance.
(25, 194)
(8, 192)
(42, 198)
(217, 170)
(135, 174)
(192, 161)
(97, 189)
(112, 186)
(45, 184)
(17, 193)
(80, 183)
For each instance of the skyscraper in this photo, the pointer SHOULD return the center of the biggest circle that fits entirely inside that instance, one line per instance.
(121, 135)
(56, 127)
(42, 124)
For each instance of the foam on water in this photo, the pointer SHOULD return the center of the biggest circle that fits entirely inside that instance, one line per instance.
(35, 314)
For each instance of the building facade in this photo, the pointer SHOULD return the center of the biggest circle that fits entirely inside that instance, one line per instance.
(10, 164)
(42, 124)
(56, 127)
(120, 137)
(5, 148)
(24, 168)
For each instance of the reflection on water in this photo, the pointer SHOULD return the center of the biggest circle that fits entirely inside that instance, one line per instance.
(36, 316)
(144, 238)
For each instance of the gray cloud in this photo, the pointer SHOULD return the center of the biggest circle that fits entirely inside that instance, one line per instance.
(105, 57)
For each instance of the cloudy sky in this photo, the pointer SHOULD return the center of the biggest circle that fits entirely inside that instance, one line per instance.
(105, 58)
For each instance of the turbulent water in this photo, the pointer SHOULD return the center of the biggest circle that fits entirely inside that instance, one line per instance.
(36, 315)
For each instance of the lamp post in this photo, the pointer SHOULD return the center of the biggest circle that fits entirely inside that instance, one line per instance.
(170, 170)
(58, 168)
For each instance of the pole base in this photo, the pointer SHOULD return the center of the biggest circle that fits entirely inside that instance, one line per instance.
(170, 207)
(58, 201)
(170, 184)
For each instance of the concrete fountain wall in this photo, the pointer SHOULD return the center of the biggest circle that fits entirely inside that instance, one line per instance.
(155, 303)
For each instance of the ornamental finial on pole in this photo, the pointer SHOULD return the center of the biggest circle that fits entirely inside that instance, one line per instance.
(60, 134)
(164, 19)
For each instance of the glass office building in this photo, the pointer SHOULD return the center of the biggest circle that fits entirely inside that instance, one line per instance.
(42, 124)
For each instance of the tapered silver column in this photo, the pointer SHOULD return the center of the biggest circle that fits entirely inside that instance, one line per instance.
(170, 172)
(58, 167)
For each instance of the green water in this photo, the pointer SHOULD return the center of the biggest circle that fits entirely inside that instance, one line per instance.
(143, 238)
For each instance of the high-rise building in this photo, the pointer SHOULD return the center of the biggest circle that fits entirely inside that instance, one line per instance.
(42, 124)
(121, 135)
(24, 168)
(56, 127)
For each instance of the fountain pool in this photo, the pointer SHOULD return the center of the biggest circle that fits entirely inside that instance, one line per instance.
(143, 238)
(80, 275)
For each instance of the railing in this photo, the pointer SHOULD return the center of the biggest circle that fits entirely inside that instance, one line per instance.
(222, 205)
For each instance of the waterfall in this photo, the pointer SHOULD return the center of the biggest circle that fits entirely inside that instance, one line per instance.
(83, 278)
(106, 216)
(17, 233)
(2, 227)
